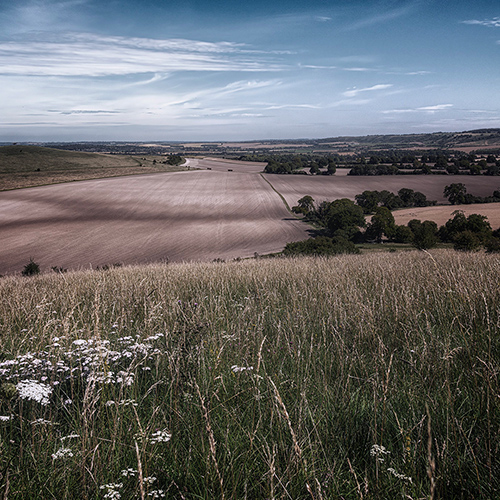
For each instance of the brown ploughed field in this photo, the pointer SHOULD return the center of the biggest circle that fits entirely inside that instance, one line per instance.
(294, 187)
(180, 216)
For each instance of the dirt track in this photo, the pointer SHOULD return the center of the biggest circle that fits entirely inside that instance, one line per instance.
(180, 216)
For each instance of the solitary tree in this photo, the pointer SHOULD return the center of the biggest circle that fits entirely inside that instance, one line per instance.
(456, 193)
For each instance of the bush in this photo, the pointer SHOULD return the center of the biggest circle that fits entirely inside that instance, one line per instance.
(321, 245)
(31, 268)
(467, 241)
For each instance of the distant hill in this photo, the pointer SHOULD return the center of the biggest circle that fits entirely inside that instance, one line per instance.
(25, 166)
(473, 139)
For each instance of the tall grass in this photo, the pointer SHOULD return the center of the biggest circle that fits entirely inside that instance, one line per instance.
(351, 377)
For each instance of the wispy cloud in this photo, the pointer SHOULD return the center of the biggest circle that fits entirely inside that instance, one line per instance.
(490, 23)
(354, 92)
(383, 17)
(428, 109)
(75, 54)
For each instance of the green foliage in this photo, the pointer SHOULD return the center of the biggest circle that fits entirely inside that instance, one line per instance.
(467, 241)
(455, 193)
(382, 224)
(322, 245)
(425, 234)
(344, 215)
(31, 268)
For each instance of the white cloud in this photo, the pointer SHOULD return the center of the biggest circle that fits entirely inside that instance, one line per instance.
(428, 109)
(95, 56)
(490, 23)
(354, 92)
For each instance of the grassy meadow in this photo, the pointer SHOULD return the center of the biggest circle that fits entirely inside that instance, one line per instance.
(354, 377)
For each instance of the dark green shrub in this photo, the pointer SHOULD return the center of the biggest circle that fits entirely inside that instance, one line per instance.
(467, 241)
(31, 268)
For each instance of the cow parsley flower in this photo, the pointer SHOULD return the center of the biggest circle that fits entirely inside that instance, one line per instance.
(34, 391)
(237, 369)
(62, 453)
(378, 451)
(160, 437)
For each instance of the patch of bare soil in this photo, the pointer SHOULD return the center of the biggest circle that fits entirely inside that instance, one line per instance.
(443, 213)
(183, 216)
(294, 187)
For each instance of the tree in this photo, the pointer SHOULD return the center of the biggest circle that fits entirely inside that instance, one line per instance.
(345, 216)
(467, 241)
(424, 233)
(314, 170)
(331, 168)
(306, 202)
(381, 224)
(456, 193)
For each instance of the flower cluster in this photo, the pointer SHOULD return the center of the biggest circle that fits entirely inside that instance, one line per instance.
(62, 453)
(34, 391)
(160, 437)
(378, 452)
(238, 369)
(112, 490)
(95, 360)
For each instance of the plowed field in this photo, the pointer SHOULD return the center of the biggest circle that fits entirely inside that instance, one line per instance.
(293, 187)
(182, 216)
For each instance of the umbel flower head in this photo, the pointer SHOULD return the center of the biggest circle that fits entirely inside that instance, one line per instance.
(34, 391)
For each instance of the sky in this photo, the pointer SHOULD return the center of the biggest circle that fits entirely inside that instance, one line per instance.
(230, 70)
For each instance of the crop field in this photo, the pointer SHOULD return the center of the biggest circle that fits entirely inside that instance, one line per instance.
(356, 377)
(293, 187)
(441, 214)
(182, 216)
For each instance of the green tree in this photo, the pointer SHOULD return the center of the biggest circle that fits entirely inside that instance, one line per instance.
(467, 241)
(346, 217)
(305, 205)
(456, 193)
(425, 234)
(382, 224)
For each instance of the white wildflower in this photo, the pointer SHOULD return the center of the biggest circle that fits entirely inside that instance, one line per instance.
(129, 472)
(34, 391)
(237, 369)
(399, 476)
(112, 490)
(156, 494)
(5, 418)
(378, 451)
(149, 480)
(70, 436)
(160, 437)
(41, 421)
(62, 453)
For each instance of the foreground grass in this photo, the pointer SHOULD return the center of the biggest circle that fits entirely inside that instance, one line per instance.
(365, 376)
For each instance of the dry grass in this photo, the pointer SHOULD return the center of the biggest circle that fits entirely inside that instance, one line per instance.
(274, 378)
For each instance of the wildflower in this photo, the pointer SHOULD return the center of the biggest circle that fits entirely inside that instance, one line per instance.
(237, 369)
(62, 453)
(5, 418)
(156, 494)
(129, 472)
(41, 421)
(378, 451)
(70, 436)
(399, 476)
(112, 490)
(34, 391)
(160, 437)
(149, 480)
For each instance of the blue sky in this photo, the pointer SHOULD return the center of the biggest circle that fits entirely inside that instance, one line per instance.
(151, 70)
